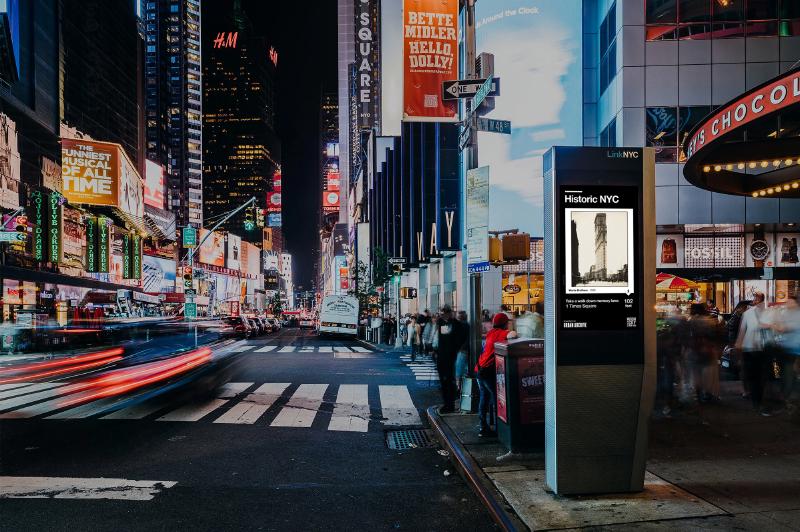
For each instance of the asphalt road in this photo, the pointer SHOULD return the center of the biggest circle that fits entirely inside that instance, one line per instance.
(295, 441)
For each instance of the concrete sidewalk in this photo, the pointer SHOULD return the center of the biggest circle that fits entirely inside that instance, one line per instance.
(728, 469)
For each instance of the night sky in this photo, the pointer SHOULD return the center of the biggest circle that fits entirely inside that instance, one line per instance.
(304, 33)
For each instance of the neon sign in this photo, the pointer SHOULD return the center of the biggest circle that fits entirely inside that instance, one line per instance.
(227, 39)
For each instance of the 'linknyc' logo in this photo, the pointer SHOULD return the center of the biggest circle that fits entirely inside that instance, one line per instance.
(617, 154)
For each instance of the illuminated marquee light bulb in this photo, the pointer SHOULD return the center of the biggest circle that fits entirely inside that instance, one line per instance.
(717, 168)
(755, 194)
(795, 184)
(776, 163)
(706, 169)
(764, 164)
(752, 165)
(740, 166)
(770, 190)
(788, 162)
(728, 167)
(786, 187)
(762, 193)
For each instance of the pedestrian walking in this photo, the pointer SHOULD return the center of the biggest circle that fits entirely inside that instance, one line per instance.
(451, 337)
(486, 371)
(462, 359)
(751, 343)
(412, 338)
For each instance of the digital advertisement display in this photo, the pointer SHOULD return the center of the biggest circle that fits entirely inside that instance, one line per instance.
(213, 249)
(154, 185)
(541, 96)
(598, 260)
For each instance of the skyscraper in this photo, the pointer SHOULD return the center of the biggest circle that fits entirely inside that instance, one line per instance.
(100, 59)
(600, 246)
(241, 151)
(173, 102)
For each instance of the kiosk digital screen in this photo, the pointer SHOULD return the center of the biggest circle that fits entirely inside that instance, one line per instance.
(598, 259)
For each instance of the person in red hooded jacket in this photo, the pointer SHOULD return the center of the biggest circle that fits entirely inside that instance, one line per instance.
(485, 370)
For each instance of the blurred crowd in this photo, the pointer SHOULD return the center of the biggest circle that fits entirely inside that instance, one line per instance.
(757, 346)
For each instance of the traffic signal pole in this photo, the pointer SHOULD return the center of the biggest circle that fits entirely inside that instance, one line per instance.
(189, 258)
(471, 158)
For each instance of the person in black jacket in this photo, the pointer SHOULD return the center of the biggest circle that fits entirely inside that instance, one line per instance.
(452, 336)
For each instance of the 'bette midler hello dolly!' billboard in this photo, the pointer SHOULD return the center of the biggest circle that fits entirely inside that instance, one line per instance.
(430, 56)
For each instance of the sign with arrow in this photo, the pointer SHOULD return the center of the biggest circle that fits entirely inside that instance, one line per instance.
(482, 93)
(467, 88)
(465, 137)
(397, 260)
(13, 236)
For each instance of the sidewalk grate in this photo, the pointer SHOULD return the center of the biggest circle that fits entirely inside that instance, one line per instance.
(410, 439)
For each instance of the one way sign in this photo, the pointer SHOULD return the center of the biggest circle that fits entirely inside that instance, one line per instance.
(466, 88)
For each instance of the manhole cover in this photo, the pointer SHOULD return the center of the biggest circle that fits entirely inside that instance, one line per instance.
(410, 439)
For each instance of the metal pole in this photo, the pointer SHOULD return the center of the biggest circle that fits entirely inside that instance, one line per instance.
(472, 162)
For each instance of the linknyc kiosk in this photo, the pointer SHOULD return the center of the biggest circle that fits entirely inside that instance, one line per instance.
(600, 325)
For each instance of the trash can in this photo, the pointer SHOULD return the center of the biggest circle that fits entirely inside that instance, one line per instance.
(520, 394)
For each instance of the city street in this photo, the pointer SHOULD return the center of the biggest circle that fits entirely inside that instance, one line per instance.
(296, 440)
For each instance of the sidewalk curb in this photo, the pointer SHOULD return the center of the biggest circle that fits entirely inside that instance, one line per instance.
(472, 473)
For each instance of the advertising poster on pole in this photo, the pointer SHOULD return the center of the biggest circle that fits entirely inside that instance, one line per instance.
(478, 219)
(430, 54)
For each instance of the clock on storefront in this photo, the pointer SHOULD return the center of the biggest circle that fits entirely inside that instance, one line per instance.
(759, 250)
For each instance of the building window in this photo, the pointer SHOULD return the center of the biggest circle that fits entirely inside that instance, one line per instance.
(721, 19)
(608, 48)
(608, 137)
(662, 133)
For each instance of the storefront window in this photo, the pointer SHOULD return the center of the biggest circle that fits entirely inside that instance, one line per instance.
(790, 9)
(662, 132)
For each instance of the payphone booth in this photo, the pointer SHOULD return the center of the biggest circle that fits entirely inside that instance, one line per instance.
(599, 317)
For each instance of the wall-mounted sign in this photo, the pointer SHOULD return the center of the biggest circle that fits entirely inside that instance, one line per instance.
(226, 39)
(103, 245)
(54, 224)
(91, 244)
(274, 219)
(39, 215)
(126, 256)
(51, 175)
(478, 219)
(367, 61)
(273, 201)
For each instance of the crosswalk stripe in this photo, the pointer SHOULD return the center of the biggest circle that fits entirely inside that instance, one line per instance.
(286, 349)
(351, 411)
(232, 389)
(361, 349)
(266, 349)
(341, 349)
(242, 348)
(28, 388)
(193, 412)
(81, 488)
(307, 349)
(41, 408)
(139, 411)
(83, 411)
(302, 408)
(254, 405)
(325, 349)
(397, 406)
(11, 386)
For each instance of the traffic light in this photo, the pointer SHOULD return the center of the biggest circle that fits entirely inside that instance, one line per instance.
(187, 277)
(22, 224)
(261, 219)
(397, 272)
(249, 219)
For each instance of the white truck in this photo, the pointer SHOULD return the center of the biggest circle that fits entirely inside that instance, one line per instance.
(339, 315)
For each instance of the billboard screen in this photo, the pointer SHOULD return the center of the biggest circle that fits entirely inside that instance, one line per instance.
(233, 259)
(99, 173)
(330, 201)
(430, 53)
(158, 274)
(213, 249)
(273, 201)
(90, 172)
(541, 96)
(154, 185)
(274, 219)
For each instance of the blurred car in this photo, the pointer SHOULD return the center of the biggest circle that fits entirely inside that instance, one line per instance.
(306, 323)
(241, 326)
(276, 324)
(258, 329)
(266, 325)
